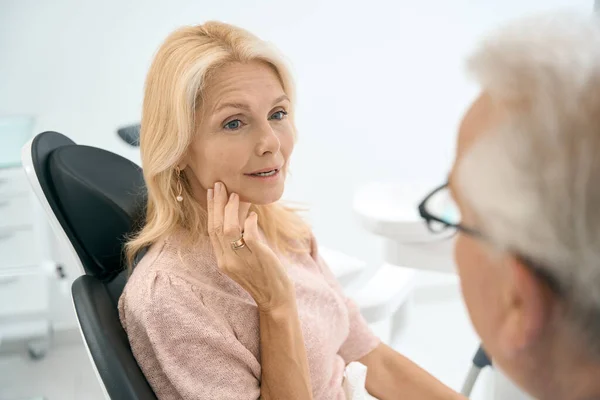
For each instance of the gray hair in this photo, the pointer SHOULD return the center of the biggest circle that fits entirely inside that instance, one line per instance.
(534, 182)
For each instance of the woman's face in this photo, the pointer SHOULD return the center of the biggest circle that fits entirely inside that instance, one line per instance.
(244, 137)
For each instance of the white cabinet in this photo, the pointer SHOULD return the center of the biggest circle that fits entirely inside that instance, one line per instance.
(15, 210)
(24, 282)
(17, 250)
(23, 294)
(13, 182)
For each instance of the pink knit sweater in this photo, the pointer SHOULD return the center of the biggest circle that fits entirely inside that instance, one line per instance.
(195, 333)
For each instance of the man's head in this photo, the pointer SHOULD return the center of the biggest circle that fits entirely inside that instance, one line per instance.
(527, 179)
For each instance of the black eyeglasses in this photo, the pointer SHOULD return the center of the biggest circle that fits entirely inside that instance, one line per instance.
(439, 210)
(441, 213)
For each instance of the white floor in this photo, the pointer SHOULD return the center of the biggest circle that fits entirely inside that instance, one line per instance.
(438, 336)
(64, 374)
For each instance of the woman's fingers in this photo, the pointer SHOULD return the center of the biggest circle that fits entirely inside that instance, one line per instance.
(231, 224)
(219, 207)
(232, 231)
(216, 243)
(226, 225)
(251, 229)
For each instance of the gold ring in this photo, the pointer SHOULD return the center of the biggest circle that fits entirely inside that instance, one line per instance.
(238, 244)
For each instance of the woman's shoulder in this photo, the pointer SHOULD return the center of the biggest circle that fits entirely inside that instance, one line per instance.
(143, 280)
(161, 259)
(158, 297)
(171, 268)
(157, 282)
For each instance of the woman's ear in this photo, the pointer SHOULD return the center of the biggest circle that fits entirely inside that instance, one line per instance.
(183, 163)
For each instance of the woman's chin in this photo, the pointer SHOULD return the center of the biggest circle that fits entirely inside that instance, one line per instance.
(263, 198)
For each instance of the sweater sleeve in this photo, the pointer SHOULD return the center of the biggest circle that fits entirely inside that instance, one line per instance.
(360, 341)
(184, 349)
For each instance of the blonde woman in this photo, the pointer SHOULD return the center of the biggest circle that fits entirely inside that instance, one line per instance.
(232, 300)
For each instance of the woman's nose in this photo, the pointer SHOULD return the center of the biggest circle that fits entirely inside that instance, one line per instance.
(268, 141)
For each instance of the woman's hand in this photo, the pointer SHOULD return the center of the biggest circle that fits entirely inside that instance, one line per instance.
(254, 267)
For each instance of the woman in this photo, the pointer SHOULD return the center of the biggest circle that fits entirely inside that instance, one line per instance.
(232, 300)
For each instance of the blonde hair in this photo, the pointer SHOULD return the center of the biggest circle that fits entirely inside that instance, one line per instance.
(534, 181)
(173, 95)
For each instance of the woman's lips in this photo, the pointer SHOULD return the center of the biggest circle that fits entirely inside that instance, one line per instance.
(266, 175)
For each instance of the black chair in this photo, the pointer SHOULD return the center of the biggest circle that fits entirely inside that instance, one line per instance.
(93, 199)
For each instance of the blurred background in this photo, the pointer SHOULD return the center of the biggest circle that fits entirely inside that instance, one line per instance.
(381, 89)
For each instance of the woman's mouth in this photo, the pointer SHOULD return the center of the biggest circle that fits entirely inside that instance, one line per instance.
(268, 173)
(265, 174)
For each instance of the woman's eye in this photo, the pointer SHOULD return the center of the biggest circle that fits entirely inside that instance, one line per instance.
(279, 115)
(233, 125)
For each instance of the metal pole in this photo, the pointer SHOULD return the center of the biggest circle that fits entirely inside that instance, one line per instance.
(469, 383)
(597, 5)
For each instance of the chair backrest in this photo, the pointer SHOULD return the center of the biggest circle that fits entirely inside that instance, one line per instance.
(94, 199)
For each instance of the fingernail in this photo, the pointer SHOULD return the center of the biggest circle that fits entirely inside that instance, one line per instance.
(217, 188)
(210, 194)
(232, 196)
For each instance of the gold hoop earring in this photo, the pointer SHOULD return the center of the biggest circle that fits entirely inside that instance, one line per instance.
(179, 197)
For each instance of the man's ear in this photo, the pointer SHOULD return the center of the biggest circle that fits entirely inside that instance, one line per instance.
(528, 305)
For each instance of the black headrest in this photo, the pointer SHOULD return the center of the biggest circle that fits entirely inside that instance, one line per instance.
(100, 198)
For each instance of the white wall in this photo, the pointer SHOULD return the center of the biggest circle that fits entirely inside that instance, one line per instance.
(381, 85)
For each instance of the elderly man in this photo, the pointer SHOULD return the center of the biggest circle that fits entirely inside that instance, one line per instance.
(526, 187)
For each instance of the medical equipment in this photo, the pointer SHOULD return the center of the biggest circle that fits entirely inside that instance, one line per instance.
(130, 134)
(480, 361)
(82, 206)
